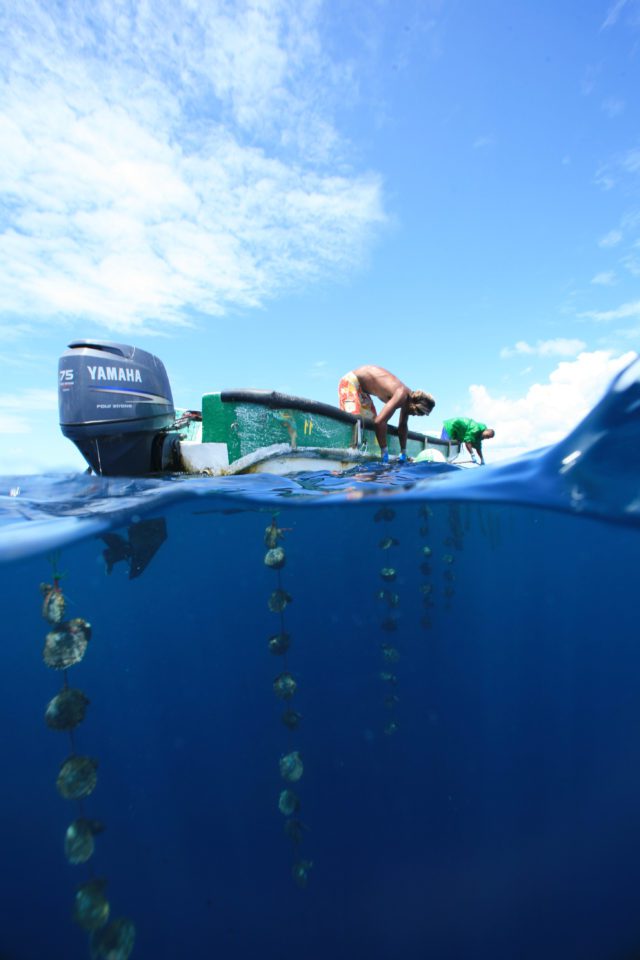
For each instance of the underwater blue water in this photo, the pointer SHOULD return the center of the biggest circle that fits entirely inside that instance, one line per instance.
(492, 810)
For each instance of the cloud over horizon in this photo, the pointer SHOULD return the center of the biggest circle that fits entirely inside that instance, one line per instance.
(166, 161)
(559, 347)
(548, 411)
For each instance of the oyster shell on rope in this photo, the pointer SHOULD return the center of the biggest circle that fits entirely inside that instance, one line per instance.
(77, 777)
(294, 829)
(278, 600)
(300, 872)
(284, 686)
(288, 802)
(91, 908)
(113, 942)
(275, 558)
(390, 597)
(390, 653)
(66, 710)
(387, 542)
(291, 766)
(279, 643)
(53, 603)
(291, 719)
(273, 534)
(78, 841)
(388, 574)
(67, 645)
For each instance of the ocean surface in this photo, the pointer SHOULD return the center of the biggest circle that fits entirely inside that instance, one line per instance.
(456, 773)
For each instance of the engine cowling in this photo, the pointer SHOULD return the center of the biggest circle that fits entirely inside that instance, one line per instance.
(115, 404)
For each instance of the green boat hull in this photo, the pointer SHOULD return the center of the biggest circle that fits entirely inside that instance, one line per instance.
(253, 430)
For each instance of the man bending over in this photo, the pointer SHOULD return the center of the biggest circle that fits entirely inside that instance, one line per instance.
(467, 431)
(356, 389)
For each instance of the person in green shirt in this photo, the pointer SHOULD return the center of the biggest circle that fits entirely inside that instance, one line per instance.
(467, 431)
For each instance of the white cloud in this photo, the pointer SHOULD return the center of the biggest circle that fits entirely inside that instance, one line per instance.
(631, 161)
(611, 239)
(548, 411)
(560, 347)
(625, 311)
(632, 264)
(175, 157)
(605, 279)
(613, 13)
(613, 108)
(17, 409)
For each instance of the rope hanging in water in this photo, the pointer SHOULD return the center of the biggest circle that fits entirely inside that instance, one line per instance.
(391, 598)
(285, 687)
(65, 646)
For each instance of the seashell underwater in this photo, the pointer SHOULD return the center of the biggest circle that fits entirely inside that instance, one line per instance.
(387, 677)
(391, 728)
(300, 872)
(388, 573)
(387, 542)
(272, 535)
(53, 603)
(284, 686)
(288, 803)
(275, 558)
(390, 654)
(66, 646)
(279, 643)
(278, 600)
(427, 551)
(91, 909)
(77, 777)
(66, 710)
(390, 597)
(291, 719)
(113, 942)
(78, 841)
(291, 766)
(294, 829)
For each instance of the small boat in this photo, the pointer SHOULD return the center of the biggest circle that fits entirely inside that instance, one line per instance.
(115, 404)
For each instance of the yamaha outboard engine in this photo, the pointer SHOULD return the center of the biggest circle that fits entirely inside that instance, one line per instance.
(115, 404)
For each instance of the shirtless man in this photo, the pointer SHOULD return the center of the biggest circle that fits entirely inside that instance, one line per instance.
(358, 386)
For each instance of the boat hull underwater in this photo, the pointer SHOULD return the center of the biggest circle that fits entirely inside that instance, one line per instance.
(116, 405)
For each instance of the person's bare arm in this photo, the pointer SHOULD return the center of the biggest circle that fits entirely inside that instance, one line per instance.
(396, 400)
(403, 427)
(472, 448)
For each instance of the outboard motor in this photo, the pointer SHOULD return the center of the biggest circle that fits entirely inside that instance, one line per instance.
(115, 404)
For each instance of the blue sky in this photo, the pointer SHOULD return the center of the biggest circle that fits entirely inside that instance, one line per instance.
(269, 193)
